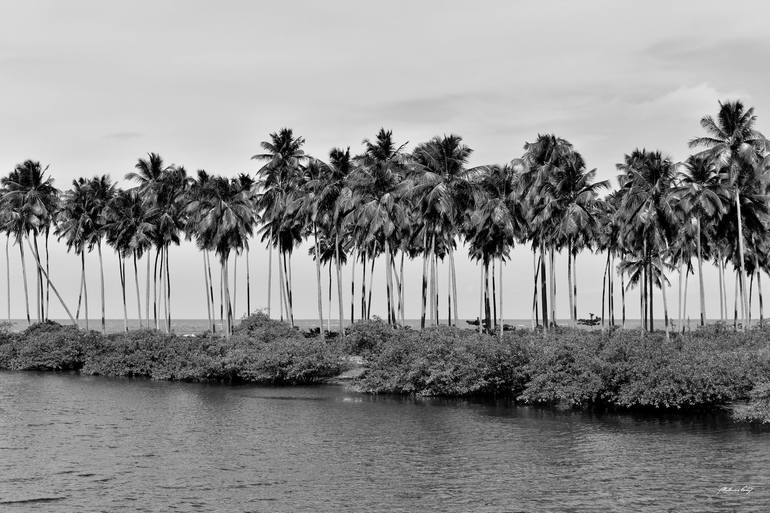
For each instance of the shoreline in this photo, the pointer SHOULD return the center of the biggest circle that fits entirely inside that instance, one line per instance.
(712, 370)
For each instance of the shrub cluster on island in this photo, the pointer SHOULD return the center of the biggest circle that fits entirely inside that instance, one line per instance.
(709, 369)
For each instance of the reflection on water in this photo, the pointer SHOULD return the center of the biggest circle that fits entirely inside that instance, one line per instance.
(70, 443)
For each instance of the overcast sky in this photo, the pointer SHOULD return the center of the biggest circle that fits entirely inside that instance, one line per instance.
(88, 87)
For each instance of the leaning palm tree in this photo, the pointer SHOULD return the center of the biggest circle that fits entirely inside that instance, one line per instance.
(736, 149)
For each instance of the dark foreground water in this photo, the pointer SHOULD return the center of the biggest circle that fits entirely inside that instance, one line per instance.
(71, 443)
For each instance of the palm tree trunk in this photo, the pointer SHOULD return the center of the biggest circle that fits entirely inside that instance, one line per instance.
(604, 286)
(80, 294)
(454, 285)
(269, 269)
(536, 269)
(289, 298)
(623, 300)
(39, 289)
(138, 298)
(211, 290)
(448, 292)
(721, 291)
(352, 281)
(363, 285)
(759, 291)
(281, 288)
(329, 301)
(735, 302)
(401, 286)
(741, 267)
(425, 279)
(751, 291)
(122, 264)
(85, 284)
(481, 295)
(574, 288)
(611, 276)
(48, 272)
(663, 293)
(48, 280)
(552, 276)
(388, 281)
(206, 291)
(248, 284)
(652, 294)
(24, 276)
(155, 288)
(543, 288)
(494, 296)
(643, 297)
(700, 276)
(502, 317)
(8, 275)
(226, 294)
(235, 283)
(339, 286)
(573, 321)
(101, 282)
(435, 283)
(487, 309)
(318, 278)
(371, 288)
(147, 289)
(679, 304)
(684, 307)
(168, 292)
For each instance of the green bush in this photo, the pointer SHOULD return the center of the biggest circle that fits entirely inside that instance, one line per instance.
(758, 407)
(445, 362)
(367, 336)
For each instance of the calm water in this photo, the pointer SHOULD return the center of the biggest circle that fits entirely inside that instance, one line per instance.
(71, 443)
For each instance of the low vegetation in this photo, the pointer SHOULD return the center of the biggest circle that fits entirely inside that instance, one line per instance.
(708, 369)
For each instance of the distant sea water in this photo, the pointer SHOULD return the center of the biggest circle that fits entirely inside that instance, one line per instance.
(196, 326)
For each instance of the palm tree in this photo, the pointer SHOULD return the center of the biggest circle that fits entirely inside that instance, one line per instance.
(30, 200)
(226, 218)
(702, 193)
(278, 204)
(99, 192)
(129, 231)
(379, 213)
(737, 150)
(648, 213)
(440, 188)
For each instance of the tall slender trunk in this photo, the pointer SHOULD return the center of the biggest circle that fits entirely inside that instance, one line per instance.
(147, 290)
(318, 278)
(643, 297)
(235, 284)
(761, 304)
(138, 297)
(652, 293)
(663, 293)
(85, 285)
(155, 288)
(425, 279)
(24, 276)
(735, 302)
(684, 307)
(679, 304)
(741, 267)
(39, 283)
(211, 290)
(575, 290)
(371, 288)
(206, 290)
(8, 275)
(122, 264)
(80, 294)
(281, 287)
(623, 300)
(388, 281)
(721, 291)
(36, 256)
(339, 286)
(269, 270)
(751, 292)
(101, 284)
(401, 286)
(700, 276)
(502, 317)
(329, 301)
(481, 296)
(352, 282)
(494, 296)
(454, 285)
(248, 283)
(536, 267)
(552, 277)
(226, 293)
(168, 292)
(611, 276)
(604, 285)
(487, 309)
(363, 285)
(543, 288)
(435, 283)
(724, 288)
(572, 319)
(290, 287)
(47, 271)
(448, 292)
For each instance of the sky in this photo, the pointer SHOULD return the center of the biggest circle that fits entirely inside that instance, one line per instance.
(88, 87)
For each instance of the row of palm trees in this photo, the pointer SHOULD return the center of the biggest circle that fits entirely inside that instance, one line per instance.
(388, 204)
